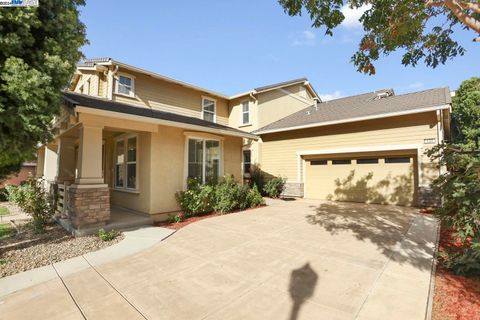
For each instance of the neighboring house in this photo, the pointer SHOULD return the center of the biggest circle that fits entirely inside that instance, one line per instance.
(365, 148)
(27, 169)
(129, 138)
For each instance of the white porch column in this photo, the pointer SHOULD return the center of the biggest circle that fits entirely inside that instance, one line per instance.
(39, 172)
(89, 163)
(66, 160)
(50, 163)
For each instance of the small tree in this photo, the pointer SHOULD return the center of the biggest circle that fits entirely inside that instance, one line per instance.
(423, 29)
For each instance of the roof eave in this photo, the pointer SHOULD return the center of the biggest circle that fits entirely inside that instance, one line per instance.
(329, 123)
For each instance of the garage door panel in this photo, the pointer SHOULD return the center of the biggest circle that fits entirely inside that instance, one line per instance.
(385, 183)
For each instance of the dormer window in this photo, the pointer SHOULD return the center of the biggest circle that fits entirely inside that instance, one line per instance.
(209, 107)
(125, 85)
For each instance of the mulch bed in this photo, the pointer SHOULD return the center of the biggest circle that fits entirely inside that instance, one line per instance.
(27, 250)
(456, 297)
(186, 222)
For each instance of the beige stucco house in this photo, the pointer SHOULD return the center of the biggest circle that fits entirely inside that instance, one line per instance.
(127, 139)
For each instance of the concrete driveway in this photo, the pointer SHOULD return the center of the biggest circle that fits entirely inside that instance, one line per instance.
(291, 260)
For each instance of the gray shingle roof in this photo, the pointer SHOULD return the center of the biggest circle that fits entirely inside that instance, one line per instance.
(364, 105)
(74, 99)
(91, 62)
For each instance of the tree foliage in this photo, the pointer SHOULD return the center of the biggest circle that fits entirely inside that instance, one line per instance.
(459, 186)
(39, 47)
(466, 112)
(423, 29)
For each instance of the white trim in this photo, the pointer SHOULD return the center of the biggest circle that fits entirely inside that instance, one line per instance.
(204, 155)
(361, 149)
(380, 116)
(209, 112)
(294, 96)
(121, 115)
(247, 101)
(117, 82)
(125, 137)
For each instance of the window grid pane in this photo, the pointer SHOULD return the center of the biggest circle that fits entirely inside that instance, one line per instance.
(195, 159)
(212, 165)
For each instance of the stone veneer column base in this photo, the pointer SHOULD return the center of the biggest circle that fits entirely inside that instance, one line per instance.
(88, 205)
(293, 189)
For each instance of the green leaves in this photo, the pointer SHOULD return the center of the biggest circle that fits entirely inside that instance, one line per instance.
(39, 48)
(419, 31)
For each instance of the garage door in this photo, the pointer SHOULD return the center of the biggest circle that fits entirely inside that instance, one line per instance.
(373, 179)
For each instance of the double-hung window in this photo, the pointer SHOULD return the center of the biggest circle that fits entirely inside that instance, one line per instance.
(208, 108)
(245, 112)
(125, 85)
(204, 157)
(126, 163)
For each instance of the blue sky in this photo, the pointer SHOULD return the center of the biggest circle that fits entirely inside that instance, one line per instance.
(234, 46)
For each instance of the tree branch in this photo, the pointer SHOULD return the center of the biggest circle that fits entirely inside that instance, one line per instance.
(465, 18)
(475, 7)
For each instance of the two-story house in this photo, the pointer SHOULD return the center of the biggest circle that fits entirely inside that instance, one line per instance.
(128, 139)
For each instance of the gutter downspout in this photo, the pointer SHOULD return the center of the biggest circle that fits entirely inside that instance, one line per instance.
(111, 75)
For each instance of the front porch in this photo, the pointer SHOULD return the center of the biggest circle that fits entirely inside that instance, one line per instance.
(84, 167)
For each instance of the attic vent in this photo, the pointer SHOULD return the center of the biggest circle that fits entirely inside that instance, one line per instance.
(382, 94)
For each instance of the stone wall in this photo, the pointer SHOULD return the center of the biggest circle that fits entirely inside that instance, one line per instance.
(293, 189)
(88, 206)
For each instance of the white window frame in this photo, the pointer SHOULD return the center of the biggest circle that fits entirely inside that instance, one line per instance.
(204, 137)
(117, 82)
(124, 138)
(86, 87)
(214, 108)
(247, 112)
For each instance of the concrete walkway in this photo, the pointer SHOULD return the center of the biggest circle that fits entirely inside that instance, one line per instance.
(135, 241)
(291, 260)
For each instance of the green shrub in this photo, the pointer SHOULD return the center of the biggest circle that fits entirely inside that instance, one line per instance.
(459, 189)
(197, 199)
(254, 198)
(108, 235)
(257, 178)
(176, 218)
(32, 198)
(275, 187)
(228, 196)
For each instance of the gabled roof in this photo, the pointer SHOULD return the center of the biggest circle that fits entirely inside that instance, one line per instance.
(90, 63)
(371, 105)
(167, 118)
(95, 62)
(278, 85)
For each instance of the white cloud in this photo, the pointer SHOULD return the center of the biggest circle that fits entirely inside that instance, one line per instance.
(352, 16)
(331, 96)
(416, 85)
(306, 38)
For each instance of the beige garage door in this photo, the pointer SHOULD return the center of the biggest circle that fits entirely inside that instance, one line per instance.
(373, 179)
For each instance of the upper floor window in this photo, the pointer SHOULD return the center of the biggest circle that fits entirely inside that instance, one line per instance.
(125, 85)
(245, 112)
(209, 106)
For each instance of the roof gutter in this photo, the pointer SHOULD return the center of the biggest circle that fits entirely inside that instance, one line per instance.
(380, 116)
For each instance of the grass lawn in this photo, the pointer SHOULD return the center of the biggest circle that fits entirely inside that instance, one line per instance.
(5, 230)
(4, 211)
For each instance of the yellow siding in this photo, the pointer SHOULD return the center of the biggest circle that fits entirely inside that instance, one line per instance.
(275, 105)
(169, 97)
(279, 149)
